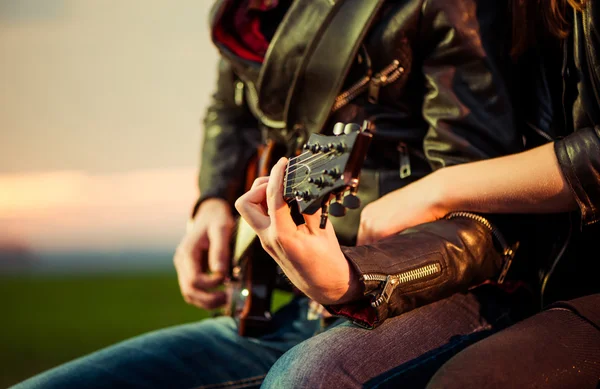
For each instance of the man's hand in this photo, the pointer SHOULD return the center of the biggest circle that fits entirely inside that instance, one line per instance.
(210, 232)
(417, 203)
(311, 257)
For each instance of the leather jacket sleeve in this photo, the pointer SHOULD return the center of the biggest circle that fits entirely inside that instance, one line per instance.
(467, 103)
(467, 106)
(230, 139)
(421, 265)
(579, 159)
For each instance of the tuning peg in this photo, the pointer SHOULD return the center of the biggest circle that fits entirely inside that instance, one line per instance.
(337, 209)
(333, 173)
(350, 128)
(319, 181)
(339, 147)
(368, 126)
(303, 195)
(324, 148)
(351, 201)
(315, 148)
(324, 216)
(338, 128)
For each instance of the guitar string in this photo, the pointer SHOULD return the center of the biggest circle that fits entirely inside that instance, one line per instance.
(298, 156)
(307, 175)
(311, 160)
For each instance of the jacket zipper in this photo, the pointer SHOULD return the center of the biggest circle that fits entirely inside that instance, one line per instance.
(405, 170)
(508, 252)
(373, 83)
(392, 281)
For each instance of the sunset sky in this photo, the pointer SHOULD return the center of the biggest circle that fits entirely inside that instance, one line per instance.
(100, 109)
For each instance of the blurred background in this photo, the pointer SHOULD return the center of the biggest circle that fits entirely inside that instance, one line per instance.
(100, 109)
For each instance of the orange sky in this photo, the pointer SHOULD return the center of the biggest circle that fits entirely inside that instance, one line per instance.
(100, 119)
(68, 210)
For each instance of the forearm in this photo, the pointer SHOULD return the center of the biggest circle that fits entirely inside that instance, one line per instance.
(527, 182)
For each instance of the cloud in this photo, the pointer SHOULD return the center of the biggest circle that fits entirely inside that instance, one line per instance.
(72, 210)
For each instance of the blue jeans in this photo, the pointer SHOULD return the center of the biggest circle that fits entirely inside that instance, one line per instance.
(300, 353)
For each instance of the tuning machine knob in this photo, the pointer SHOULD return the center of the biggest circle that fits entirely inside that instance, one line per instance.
(303, 195)
(336, 208)
(319, 181)
(333, 173)
(338, 128)
(324, 216)
(351, 201)
(351, 127)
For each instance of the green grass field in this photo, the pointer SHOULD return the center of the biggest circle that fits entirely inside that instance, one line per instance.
(49, 320)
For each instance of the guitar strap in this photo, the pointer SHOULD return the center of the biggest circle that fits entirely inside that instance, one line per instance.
(316, 77)
(326, 66)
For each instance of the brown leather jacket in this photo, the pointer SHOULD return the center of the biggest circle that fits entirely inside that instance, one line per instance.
(449, 104)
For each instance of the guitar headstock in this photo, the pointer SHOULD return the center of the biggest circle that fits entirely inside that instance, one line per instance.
(326, 173)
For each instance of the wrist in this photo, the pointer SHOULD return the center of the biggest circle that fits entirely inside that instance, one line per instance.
(209, 203)
(438, 187)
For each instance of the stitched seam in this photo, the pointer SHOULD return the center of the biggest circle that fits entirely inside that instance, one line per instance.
(574, 177)
(243, 383)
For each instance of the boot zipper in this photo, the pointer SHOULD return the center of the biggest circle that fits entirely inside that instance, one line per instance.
(373, 83)
(508, 252)
(392, 281)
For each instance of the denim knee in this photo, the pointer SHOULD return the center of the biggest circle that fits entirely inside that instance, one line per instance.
(309, 365)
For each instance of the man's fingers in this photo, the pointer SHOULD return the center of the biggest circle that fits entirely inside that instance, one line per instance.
(218, 250)
(205, 300)
(205, 281)
(250, 206)
(260, 181)
(278, 208)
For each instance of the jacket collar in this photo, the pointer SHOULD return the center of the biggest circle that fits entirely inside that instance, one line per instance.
(274, 78)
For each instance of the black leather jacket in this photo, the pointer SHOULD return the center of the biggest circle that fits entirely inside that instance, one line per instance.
(566, 109)
(450, 105)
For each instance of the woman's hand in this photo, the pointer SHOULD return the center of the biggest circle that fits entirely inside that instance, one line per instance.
(417, 203)
(310, 257)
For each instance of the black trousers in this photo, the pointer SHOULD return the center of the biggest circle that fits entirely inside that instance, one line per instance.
(557, 348)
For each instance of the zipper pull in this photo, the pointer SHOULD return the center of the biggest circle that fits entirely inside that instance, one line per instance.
(508, 255)
(374, 87)
(405, 170)
(239, 94)
(390, 284)
(386, 76)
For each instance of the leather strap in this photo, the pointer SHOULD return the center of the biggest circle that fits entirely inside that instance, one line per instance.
(326, 65)
(287, 52)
